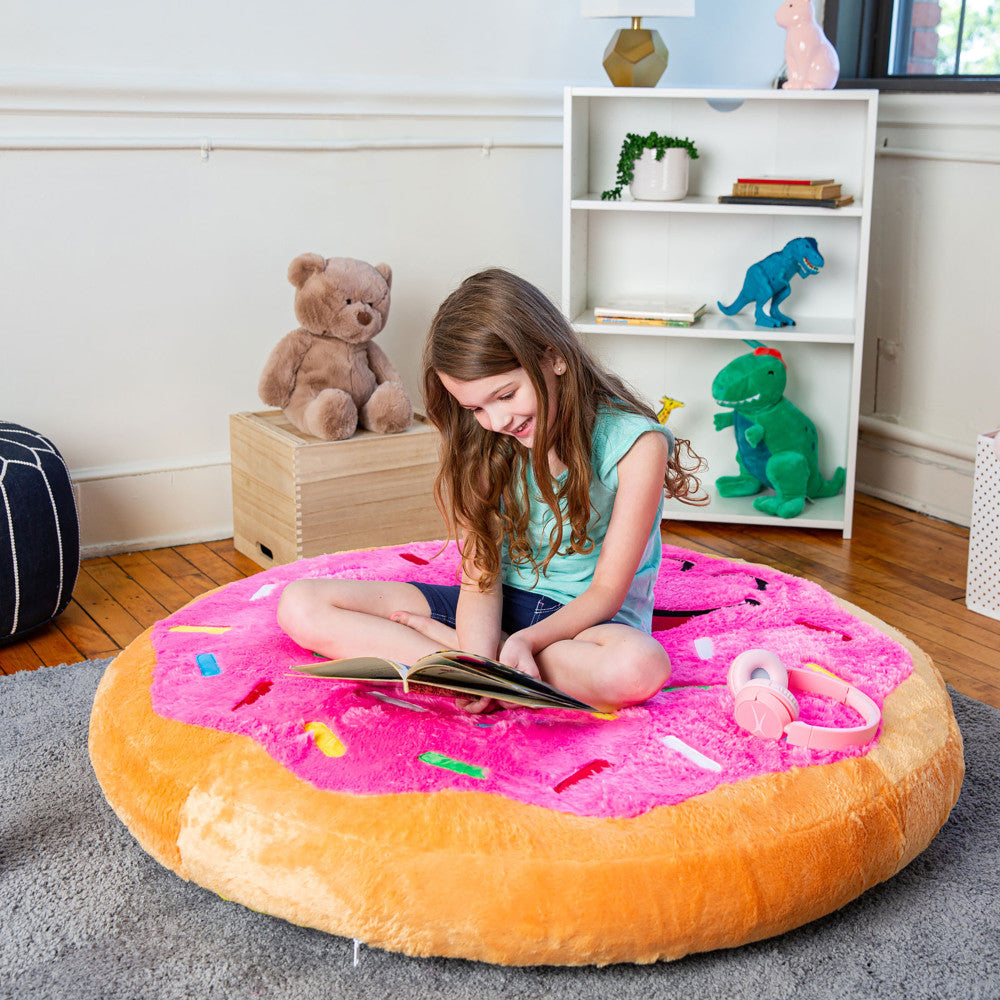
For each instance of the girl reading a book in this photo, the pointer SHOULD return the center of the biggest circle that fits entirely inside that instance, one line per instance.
(552, 474)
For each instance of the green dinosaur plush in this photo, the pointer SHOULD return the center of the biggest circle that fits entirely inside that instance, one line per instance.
(776, 443)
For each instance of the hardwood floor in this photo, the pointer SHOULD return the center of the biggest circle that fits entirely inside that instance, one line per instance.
(905, 568)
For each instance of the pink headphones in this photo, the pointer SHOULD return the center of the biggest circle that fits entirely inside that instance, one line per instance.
(765, 706)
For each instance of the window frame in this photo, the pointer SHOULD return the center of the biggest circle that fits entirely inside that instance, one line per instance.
(862, 37)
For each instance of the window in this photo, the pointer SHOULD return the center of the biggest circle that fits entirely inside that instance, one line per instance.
(916, 44)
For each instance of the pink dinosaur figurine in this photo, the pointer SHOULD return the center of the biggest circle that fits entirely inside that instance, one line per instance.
(812, 60)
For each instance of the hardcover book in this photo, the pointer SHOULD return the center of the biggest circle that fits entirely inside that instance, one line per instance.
(784, 180)
(734, 199)
(804, 191)
(455, 671)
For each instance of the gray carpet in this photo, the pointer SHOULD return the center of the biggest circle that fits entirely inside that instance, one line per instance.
(85, 913)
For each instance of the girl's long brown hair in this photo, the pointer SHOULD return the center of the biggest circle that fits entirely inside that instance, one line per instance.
(495, 322)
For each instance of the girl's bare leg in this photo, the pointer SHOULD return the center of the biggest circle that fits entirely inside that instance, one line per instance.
(608, 666)
(339, 618)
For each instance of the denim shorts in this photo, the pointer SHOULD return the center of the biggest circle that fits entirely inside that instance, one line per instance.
(521, 608)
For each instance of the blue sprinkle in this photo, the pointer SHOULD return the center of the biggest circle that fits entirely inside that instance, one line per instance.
(208, 664)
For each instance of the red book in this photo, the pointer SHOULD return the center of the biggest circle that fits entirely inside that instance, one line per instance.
(784, 180)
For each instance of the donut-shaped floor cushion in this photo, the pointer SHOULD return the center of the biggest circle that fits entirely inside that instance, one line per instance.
(525, 836)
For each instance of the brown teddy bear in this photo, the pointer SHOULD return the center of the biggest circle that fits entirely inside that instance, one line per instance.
(328, 376)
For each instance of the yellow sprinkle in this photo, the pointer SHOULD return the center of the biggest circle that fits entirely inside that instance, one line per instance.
(210, 629)
(326, 741)
(823, 670)
(604, 715)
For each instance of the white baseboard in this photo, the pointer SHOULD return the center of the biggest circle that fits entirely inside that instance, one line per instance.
(915, 471)
(128, 509)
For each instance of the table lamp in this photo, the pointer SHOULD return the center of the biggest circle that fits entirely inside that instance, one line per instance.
(636, 56)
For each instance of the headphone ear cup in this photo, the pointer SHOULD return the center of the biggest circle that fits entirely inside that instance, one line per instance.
(765, 708)
(754, 665)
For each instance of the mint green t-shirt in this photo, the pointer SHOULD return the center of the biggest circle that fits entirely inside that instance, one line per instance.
(569, 574)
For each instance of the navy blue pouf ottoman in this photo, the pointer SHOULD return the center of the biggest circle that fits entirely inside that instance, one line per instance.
(39, 531)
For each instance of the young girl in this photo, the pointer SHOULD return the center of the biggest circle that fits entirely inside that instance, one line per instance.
(553, 474)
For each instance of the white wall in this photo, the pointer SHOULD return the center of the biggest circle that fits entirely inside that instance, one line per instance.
(931, 377)
(160, 165)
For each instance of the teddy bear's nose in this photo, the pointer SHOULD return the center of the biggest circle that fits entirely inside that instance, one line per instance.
(364, 317)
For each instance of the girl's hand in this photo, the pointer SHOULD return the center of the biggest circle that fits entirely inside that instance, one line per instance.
(476, 707)
(448, 637)
(430, 627)
(516, 652)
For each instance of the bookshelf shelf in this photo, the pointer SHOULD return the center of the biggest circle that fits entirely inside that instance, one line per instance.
(714, 325)
(696, 205)
(825, 513)
(700, 249)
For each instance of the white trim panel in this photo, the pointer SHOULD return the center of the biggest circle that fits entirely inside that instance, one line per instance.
(131, 508)
(916, 470)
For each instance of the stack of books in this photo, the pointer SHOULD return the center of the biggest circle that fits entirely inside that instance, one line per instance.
(816, 192)
(650, 312)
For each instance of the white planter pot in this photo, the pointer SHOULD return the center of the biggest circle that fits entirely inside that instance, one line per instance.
(661, 180)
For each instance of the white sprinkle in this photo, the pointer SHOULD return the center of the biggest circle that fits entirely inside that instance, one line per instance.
(695, 756)
(264, 591)
(357, 949)
(704, 647)
(395, 701)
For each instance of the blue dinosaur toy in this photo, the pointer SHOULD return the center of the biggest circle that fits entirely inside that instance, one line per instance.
(776, 443)
(769, 279)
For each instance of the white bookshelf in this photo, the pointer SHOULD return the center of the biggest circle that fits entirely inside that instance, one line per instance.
(698, 248)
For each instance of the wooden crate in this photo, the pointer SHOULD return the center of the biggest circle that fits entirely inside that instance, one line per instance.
(296, 496)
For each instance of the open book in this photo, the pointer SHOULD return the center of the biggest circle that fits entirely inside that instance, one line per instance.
(463, 673)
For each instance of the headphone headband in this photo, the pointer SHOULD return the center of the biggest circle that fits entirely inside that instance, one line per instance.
(802, 734)
(762, 687)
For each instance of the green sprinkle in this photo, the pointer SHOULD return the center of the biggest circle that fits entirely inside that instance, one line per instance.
(439, 760)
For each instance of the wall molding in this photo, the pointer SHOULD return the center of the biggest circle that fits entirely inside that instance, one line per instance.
(951, 127)
(913, 153)
(133, 506)
(949, 111)
(206, 146)
(900, 435)
(265, 96)
(128, 470)
(902, 465)
(119, 112)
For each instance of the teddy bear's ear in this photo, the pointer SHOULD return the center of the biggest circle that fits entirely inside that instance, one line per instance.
(386, 273)
(303, 266)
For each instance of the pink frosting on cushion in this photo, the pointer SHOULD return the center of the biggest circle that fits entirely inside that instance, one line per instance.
(224, 663)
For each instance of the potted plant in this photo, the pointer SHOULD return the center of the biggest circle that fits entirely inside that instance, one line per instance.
(654, 166)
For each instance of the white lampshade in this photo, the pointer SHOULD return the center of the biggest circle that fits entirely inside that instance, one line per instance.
(637, 8)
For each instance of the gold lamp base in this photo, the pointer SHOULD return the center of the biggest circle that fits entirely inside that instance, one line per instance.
(635, 57)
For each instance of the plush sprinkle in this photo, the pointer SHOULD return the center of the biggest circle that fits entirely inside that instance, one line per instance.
(448, 764)
(594, 767)
(208, 665)
(327, 742)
